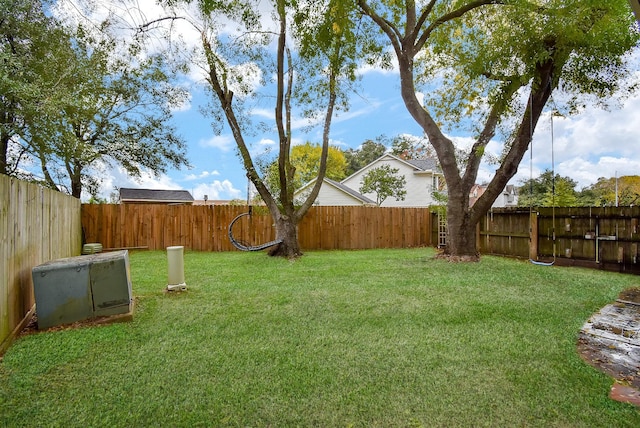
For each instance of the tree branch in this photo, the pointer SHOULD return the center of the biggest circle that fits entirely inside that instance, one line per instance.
(386, 26)
(225, 97)
(507, 92)
(457, 13)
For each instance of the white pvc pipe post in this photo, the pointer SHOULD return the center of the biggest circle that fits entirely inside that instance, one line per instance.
(175, 257)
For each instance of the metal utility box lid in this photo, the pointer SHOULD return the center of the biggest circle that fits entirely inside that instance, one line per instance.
(110, 283)
(62, 292)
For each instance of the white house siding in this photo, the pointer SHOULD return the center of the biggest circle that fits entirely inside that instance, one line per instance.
(330, 196)
(418, 185)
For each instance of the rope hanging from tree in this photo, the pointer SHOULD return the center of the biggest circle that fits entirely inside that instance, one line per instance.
(553, 193)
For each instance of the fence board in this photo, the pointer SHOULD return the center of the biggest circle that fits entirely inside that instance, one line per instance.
(36, 225)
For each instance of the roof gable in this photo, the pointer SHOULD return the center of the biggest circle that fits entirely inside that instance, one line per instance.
(418, 165)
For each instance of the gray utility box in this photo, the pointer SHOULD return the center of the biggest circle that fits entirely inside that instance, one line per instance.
(80, 288)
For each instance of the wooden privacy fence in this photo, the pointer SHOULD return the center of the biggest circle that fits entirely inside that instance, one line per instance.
(603, 237)
(204, 228)
(36, 225)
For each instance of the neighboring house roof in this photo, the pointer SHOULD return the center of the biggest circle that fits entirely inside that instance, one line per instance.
(128, 195)
(347, 191)
(476, 191)
(424, 164)
(511, 189)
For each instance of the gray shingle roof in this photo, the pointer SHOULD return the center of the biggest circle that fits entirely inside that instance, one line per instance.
(423, 164)
(155, 195)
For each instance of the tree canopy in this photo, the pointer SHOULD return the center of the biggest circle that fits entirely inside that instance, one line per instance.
(410, 147)
(539, 192)
(305, 158)
(624, 190)
(362, 156)
(290, 56)
(28, 39)
(92, 102)
(548, 190)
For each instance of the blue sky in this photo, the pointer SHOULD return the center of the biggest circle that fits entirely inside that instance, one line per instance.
(587, 146)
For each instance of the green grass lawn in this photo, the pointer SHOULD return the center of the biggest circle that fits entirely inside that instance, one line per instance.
(378, 338)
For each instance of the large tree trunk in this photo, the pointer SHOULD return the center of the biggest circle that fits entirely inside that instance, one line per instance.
(76, 187)
(461, 234)
(7, 119)
(287, 231)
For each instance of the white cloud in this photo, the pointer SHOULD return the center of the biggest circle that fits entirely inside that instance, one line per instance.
(365, 69)
(266, 142)
(369, 107)
(216, 190)
(338, 143)
(202, 175)
(263, 112)
(591, 145)
(299, 122)
(224, 143)
(587, 173)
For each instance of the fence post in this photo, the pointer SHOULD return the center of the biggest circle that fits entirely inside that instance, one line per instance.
(533, 235)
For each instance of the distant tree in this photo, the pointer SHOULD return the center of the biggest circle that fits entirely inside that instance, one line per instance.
(118, 111)
(587, 198)
(562, 195)
(411, 147)
(603, 192)
(545, 191)
(305, 158)
(368, 152)
(384, 181)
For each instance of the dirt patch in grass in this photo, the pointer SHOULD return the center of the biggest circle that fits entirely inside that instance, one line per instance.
(631, 295)
(32, 326)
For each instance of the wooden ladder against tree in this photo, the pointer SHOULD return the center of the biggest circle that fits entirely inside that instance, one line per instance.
(442, 230)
